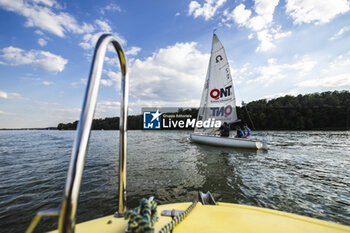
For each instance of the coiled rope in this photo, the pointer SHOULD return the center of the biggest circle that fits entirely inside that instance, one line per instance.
(142, 218)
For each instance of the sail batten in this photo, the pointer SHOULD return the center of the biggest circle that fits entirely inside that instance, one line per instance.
(218, 98)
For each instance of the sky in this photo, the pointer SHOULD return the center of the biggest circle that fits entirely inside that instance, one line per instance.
(274, 47)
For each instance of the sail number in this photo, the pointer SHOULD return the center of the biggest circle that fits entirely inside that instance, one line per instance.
(218, 58)
(223, 92)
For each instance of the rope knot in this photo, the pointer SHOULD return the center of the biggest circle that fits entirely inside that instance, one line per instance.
(142, 218)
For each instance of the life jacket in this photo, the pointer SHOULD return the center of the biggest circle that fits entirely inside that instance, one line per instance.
(247, 131)
(239, 133)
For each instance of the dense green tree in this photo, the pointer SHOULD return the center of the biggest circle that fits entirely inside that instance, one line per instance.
(326, 110)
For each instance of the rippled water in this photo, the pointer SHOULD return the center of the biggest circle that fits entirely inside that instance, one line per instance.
(306, 173)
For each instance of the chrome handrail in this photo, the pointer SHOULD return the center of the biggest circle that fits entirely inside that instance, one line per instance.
(38, 216)
(66, 222)
(69, 205)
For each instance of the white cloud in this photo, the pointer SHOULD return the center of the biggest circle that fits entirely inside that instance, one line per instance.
(111, 7)
(292, 92)
(341, 80)
(133, 51)
(31, 79)
(261, 24)
(273, 71)
(105, 107)
(103, 25)
(113, 60)
(3, 95)
(33, 113)
(17, 97)
(264, 10)
(335, 74)
(38, 14)
(90, 39)
(208, 9)
(108, 105)
(265, 7)
(42, 42)
(49, 3)
(339, 64)
(56, 115)
(62, 112)
(160, 80)
(317, 11)
(2, 113)
(33, 116)
(240, 15)
(265, 41)
(114, 79)
(340, 32)
(40, 33)
(47, 15)
(192, 7)
(82, 81)
(47, 83)
(258, 22)
(87, 28)
(267, 37)
(278, 35)
(106, 82)
(10, 96)
(38, 58)
(39, 81)
(178, 14)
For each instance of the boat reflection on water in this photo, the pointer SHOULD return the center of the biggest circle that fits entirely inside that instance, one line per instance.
(222, 169)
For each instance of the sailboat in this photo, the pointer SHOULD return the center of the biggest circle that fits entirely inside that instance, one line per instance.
(218, 103)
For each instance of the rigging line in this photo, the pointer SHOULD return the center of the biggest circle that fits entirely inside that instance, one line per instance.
(251, 121)
(245, 106)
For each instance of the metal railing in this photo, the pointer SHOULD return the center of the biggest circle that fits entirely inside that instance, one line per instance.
(66, 223)
(38, 216)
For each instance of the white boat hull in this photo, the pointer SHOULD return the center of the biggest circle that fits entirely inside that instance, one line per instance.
(229, 142)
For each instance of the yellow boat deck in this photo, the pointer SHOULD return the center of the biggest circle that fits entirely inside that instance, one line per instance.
(223, 217)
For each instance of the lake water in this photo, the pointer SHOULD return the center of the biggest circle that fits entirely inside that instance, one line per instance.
(307, 173)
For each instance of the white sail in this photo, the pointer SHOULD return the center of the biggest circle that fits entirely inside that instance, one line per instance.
(218, 98)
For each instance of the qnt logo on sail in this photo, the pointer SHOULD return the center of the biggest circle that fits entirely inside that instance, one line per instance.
(223, 92)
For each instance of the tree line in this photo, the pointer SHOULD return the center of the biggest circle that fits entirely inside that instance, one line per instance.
(317, 111)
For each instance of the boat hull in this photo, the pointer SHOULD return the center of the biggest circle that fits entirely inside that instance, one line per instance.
(229, 142)
(223, 217)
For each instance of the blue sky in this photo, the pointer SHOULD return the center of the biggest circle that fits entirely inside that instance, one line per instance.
(274, 48)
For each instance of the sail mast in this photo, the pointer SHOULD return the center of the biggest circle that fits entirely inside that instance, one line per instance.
(204, 100)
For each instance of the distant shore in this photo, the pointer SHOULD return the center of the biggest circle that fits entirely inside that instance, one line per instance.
(317, 111)
(190, 130)
(47, 128)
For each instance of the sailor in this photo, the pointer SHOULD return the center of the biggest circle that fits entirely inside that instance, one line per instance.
(239, 132)
(224, 130)
(247, 131)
